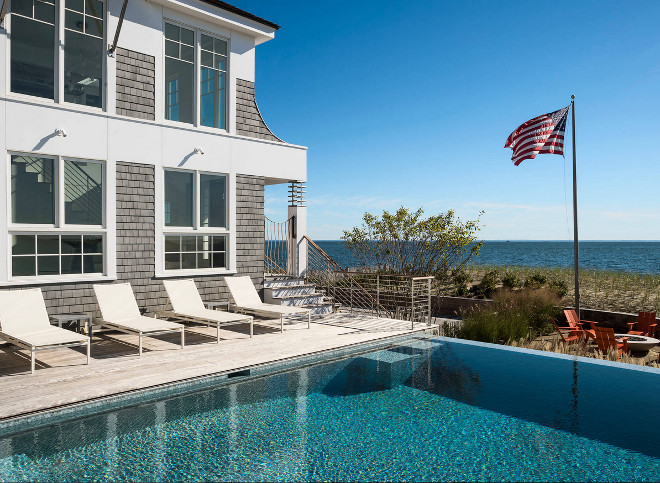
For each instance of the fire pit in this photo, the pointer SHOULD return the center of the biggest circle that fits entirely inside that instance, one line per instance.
(639, 343)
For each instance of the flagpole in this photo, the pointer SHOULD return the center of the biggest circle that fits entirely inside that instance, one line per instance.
(575, 219)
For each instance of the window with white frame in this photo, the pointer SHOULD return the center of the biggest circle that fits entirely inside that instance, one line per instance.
(35, 68)
(195, 218)
(57, 224)
(191, 54)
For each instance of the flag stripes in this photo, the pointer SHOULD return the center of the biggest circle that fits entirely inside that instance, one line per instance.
(541, 135)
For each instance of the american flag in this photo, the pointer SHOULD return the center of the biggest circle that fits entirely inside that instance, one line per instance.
(543, 134)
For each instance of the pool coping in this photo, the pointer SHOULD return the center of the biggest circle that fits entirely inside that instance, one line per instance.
(540, 353)
(18, 423)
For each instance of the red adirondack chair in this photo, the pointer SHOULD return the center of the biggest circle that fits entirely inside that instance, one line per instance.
(572, 334)
(645, 325)
(607, 342)
(573, 321)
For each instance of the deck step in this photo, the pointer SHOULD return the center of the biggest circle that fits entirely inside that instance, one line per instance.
(277, 292)
(284, 282)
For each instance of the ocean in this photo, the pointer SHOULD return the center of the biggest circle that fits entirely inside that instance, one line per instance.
(626, 256)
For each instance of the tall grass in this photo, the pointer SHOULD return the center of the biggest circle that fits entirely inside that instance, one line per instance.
(599, 289)
(514, 316)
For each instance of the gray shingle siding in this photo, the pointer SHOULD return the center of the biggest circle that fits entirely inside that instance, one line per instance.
(135, 84)
(136, 245)
(248, 118)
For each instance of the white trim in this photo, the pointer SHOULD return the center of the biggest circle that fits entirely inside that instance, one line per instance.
(57, 279)
(197, 65)
(161, 230)
(107, 229)
(199, 272)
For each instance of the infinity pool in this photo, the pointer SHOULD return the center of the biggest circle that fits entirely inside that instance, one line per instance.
(423, 409)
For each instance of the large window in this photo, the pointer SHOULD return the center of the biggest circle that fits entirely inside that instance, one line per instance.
(182, 96)
(33, 48)
(83, 52)
(39, 204)
(179, 73)
(212, 81)
(195, 218)
(35, 40)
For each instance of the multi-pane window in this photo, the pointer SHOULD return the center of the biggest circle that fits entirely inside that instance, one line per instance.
(213, 53)
(190, 252)
(83, 52)
(33, 48)
(179, 73)
(36, 254)
(196, 207)
(37, 202)
(34, 43)
(209, 96)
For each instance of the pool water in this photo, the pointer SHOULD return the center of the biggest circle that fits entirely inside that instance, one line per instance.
(425, 409)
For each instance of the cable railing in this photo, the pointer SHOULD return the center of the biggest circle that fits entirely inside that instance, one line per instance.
(401, 297)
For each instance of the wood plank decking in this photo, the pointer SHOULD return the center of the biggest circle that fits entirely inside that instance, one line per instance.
(63, 378)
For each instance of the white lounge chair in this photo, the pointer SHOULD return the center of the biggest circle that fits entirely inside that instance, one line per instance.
(24, 322)
(188, 306)
(246, 300)
(120, 311)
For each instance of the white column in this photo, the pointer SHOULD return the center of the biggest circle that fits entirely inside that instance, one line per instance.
(297, 262)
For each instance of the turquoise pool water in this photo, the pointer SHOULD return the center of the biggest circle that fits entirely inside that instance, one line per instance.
(425, 409)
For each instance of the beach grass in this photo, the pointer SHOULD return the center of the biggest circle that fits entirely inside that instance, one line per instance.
(599, 289)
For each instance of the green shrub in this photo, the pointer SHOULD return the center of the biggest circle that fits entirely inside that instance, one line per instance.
(511, 317)
(511, 281)
(460, 280)
(559, 287)
(488, 284)
(536, 280)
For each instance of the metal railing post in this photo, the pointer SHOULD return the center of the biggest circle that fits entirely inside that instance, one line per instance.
(377, 295)
(351, 294)
(428, 284)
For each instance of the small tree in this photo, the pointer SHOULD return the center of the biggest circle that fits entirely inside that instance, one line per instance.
(406, 243)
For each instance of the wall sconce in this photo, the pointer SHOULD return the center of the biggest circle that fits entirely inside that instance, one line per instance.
(198, 150)
(60, 132)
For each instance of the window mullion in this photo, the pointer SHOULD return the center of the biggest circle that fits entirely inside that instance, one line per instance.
(59, 42)
(59, 194)
(196, 216)
(197, 90)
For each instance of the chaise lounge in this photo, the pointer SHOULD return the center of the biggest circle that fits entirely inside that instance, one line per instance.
(246, 300)
(188, 306)
(120, 311)
(24, 322)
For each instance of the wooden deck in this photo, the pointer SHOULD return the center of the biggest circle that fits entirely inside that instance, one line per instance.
(62, 377)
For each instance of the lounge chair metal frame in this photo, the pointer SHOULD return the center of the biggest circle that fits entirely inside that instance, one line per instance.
(34, 349)
(184, 293)
(266, 310)
(271, 313)
(140, 333)
(170, 314)
(38, 304)
(117, 324)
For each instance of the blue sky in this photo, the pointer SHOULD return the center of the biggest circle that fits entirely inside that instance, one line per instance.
(409, 103)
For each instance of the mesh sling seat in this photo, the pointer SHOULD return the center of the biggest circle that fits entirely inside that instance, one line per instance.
(120, 311)
(188, 306)
(246, 300)
(24, 322)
